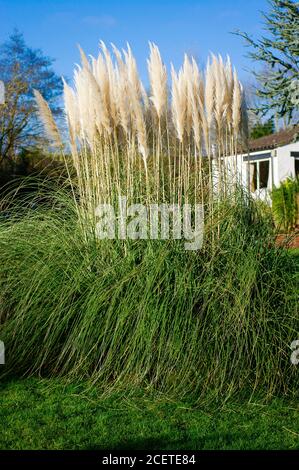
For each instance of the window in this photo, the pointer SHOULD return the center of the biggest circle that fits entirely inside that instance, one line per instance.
(259, 175)
(296, 157)
(264, 173)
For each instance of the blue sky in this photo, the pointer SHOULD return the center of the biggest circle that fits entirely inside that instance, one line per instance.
(196, 27)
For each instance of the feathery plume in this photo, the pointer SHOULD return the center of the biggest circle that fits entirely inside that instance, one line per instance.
(187, 72)
(71, 114)
(139, 124)
(195, 95)
(236, 106)
(220, 90)
(209, 93)
(84, 60)
(122, 91)
(112, 79)
(158, 80)
(46, 117)
(229, 91)
(179, 102)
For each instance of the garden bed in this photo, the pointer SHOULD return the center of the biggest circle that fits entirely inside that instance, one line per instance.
(291, 240)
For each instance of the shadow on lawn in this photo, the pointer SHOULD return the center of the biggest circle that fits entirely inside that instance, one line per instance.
(165, 443)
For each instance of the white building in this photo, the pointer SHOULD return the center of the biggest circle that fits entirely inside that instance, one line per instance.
(271, 159)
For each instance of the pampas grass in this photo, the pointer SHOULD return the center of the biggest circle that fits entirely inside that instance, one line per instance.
(151, 147)
(147, 313)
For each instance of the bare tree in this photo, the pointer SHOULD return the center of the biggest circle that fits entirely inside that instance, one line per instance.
(23, 69)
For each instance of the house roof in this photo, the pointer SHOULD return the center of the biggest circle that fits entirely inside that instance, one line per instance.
(283, 137)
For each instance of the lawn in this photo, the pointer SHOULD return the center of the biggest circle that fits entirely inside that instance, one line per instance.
(48, 414)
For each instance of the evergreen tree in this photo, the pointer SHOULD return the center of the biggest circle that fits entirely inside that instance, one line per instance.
(279, 82)
(261, 129)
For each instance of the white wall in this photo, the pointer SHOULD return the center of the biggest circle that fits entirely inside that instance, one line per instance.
(284, 163)
(242, 167)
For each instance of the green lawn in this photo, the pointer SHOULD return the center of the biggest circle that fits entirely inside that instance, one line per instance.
(47, 414)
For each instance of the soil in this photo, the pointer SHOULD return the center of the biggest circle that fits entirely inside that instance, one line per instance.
(289, 239)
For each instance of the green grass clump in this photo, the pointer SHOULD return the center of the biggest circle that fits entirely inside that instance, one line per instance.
(285, 204)
(129, 314)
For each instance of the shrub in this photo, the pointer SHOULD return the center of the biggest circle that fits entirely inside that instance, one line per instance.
(148, 313)
(285, 204)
